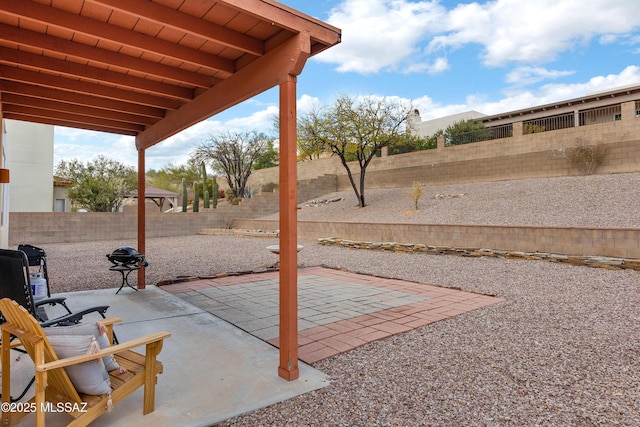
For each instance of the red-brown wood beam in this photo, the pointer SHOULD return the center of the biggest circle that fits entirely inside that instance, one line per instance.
(141, 216)
(172, 18)
(41, 92)
(262, 74)
(116, 126)
(62, 83)
(106, 57)
(65, 123)
(97, 75)
(73, 109)
(288, 368)
(68, 21)
(289, 18)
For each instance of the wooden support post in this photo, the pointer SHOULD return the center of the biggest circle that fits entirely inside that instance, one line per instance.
(141, 215)
(288, 368)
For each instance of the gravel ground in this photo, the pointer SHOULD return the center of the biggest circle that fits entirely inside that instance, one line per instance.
(563, 349)
(597, 200)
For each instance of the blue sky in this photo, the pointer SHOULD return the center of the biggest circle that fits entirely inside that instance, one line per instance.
(444, 57)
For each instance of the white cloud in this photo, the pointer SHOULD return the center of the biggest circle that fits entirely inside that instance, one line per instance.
(70, 143)
(523, 76)
(519, 99)
(550, 93)
(308, 103)
(391, 35)
(379, 34)
(261, 120)
(535, 32)
(86, 145)
(439, 66)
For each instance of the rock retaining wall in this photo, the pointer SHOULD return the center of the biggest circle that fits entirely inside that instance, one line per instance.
(590, 261)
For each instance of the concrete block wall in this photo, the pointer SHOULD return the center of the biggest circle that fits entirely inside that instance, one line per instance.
(60, 227)
(48, 227)
(518, 157)
(580, 241)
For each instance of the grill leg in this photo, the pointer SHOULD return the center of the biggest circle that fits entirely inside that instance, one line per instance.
(125, 279)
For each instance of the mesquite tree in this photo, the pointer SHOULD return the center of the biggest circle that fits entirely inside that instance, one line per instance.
(356, 129)
(99, 185)
(233, 155)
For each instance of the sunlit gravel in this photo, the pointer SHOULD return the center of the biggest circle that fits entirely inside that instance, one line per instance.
(563, 349)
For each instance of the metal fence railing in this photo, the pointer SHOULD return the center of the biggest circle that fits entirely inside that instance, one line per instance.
(467, 137)
(592, 116)
(545, 124)
(494, 132)
(595, 116)
(502, 131)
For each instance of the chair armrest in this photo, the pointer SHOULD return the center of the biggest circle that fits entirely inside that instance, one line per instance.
(75, 317)
(100, 309)
(153, 338)
(110, 321)
(21, 333)
(51, 300)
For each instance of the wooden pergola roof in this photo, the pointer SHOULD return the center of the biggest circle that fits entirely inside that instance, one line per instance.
(146, 68)
(152, 68)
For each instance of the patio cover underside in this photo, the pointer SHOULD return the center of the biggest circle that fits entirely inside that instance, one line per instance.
(151, 69)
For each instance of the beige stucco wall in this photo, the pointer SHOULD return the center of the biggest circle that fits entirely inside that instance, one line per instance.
(29, 151)
(4, 201)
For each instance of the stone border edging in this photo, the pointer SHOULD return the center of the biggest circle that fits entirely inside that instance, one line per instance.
(183, 279)
(589, 261)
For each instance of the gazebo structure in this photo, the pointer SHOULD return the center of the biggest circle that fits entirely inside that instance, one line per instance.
(151, 69)
(158, 196)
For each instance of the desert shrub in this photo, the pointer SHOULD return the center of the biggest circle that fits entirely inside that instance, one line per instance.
(530, 128)
(415, 193)
(269, 187)
(586, 157)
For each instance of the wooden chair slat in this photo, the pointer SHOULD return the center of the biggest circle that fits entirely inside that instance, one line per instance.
(52, 382)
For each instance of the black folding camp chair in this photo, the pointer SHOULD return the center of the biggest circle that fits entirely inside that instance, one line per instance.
(15, 284)
(37, 257)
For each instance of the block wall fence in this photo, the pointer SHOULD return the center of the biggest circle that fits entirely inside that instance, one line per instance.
(518, 157)
(66, 227)
(536, 155)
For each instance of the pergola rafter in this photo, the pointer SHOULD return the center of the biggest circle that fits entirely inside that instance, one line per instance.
(152, 68)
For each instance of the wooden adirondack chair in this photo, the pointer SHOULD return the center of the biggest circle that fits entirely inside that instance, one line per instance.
(52, 384)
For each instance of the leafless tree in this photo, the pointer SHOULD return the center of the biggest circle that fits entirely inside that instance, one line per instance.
(233, 155)
(356, 129)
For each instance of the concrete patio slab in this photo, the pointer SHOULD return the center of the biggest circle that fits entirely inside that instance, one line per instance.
(212, 370)
(221, 360)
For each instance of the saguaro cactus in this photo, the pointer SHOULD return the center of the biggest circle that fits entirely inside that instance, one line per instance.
(184, 195)
(214, 191)
(205, 188)
(196, 197)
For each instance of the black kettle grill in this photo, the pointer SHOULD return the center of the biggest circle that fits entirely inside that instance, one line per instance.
(127, 256)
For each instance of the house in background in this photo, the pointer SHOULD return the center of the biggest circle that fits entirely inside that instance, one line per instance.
(428, 128)
(592, 109)
(61, 202)
(28, 150)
